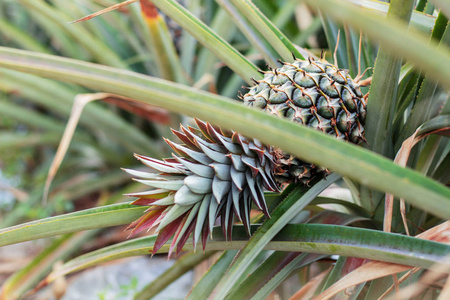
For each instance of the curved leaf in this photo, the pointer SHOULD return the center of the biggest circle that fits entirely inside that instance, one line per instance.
(438, 125)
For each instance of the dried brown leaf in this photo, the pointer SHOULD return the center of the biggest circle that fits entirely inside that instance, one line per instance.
(307, 291)
(103, 11)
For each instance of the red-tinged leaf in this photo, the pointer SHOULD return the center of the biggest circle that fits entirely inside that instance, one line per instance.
(185, 139)
(351, 264)
(144, 201)
(230, 225)
(192, 136)
(145, 222)
(335, 218)
(204, 129)
(154, 194)
(244, 207)
(177, 233)
(170, 161)
(212, 132)
(119, 7)
(149, 10)
(205, 234)
(216, 132)
(164, 166)
(222, 213)
(166, 233)
(146, 111)
(177, 148)
(185, 236)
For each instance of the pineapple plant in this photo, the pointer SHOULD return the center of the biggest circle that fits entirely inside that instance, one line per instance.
(296, 123)
(220, 174)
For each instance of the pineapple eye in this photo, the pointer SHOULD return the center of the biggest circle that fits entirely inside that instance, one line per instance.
(277, 97)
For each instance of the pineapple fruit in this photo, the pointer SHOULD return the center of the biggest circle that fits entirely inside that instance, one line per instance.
(316, 94)
(220, 174)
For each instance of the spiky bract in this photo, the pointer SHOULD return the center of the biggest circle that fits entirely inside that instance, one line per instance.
(213, 174)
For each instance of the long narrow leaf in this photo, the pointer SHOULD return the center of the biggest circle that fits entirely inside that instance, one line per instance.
(166, 58)
(383, 96)
(254, 37)
(111, 215)
(419, 20)
(272, 34)
(229, 55)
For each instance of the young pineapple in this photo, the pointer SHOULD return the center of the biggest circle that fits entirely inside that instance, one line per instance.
(316, 94)
(214, 174)
(219, 174)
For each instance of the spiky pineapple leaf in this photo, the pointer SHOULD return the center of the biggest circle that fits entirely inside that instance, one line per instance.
(306, 143)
